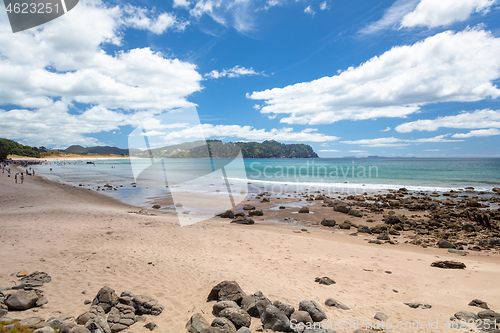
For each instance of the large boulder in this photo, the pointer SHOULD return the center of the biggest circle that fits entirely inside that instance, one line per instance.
(355, 212)
(228, 214)
(238, 317)
(106, 298)
(121, 317)
(394, 219)
(98, 324)
(226, 291)
(46, 329)
(145, 305)
(301, 317)
(313, 308)
(272, 318)
(222, 325)
(94, 310)
(328, 222)
(197, 324)
(304, 210)
(21, 300)
(255, 304)
(219, 306)
(341, 208)
(287, 309)
(248, 207)
(257, 212)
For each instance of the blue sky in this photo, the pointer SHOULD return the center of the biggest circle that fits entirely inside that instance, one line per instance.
(357, 78)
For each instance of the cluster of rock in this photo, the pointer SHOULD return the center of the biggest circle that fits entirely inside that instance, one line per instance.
(241, 217)
(485, 320)
(461, 220)
(122, 312)
(234, 310)
(108, 313)
(26, 294)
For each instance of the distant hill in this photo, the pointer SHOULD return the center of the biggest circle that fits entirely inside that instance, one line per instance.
(274, 149)
(102, 150)
(10, 147)
(219, 149)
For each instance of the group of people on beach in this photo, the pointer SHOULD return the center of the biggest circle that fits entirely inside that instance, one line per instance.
(19, 176)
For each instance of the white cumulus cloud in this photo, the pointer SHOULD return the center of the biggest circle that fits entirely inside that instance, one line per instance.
(478, 133)
(236, 71)
(432, 13)
(50, 71)
(446, 67)
(467, 120)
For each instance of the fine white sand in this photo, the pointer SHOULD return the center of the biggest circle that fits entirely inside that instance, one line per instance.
(86, 240)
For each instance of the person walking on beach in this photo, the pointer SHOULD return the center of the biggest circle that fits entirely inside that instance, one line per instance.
(22, 178)
(15, 177)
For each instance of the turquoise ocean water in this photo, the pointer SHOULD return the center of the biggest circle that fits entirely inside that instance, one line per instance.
(331, 175)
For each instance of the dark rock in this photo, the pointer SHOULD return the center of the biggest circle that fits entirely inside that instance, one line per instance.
(219, 306)
(324, 280)
(332, 302)
(248, 207)
(238, 317)
(355, 212)
(381, 316)
(304, 210)
(243, 220)
(466, 315)
(145, 305)
(364, 229)
(35, 279)
(228, 214)
(156, 207)
(328, 222)
(255, 304)
(301, 317)
(272, 318)
(222, 325)
(121, 317)
(287, 309)
(341, 208)
(257, 212)
(21, 300)
(445, 245)
(489, 314)
(151, 326)
(414, 305)
(197, 324)
(479, 304)
(345, 225)
(94, 310)
(384, 237)
(98, 324)
(226, 291)
(394, 219)
(106, 298)
(314, 310)
(448, 264)
(495, 241)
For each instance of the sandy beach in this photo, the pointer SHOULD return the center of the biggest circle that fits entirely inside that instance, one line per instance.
(85, 240)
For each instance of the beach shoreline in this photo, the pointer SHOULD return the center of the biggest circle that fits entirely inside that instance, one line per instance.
(86, 240)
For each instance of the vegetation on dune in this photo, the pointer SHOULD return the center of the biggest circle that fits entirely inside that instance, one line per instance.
(5, 328)
(10, 147)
